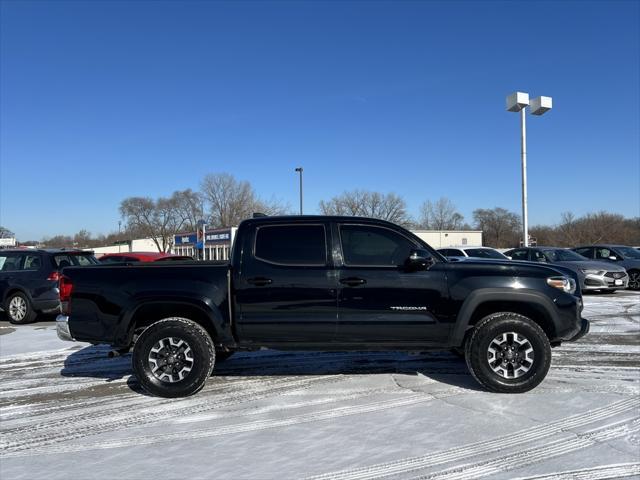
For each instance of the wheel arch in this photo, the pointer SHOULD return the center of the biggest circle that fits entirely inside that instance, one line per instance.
(479, 304)
(147, 311)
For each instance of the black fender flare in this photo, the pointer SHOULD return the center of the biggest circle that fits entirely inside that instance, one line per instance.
(483, 295)
(215, 320)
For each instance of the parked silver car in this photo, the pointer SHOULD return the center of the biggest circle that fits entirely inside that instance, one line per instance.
(620, 255)
(474, 252)
(592, 275)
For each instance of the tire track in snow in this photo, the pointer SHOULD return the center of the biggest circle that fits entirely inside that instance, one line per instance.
(230, 429)
(539, 432)
(620, 470)
(535, 455)
(85, 424)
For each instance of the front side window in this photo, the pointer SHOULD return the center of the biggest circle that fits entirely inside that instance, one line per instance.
(364, 245)
(290, 245)
(539, 256)
(519, 255)
(605, 253)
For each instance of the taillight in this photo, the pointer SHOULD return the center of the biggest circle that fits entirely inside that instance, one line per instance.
(54, 276)
(65, 286)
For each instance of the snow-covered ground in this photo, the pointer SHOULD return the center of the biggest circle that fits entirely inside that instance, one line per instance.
(68, 411)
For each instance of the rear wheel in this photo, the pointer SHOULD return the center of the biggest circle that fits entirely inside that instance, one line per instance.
(19, 309)
(173, 357)
(508, 353)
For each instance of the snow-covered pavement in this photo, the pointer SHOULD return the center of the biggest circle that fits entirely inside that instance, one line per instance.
(68, 411)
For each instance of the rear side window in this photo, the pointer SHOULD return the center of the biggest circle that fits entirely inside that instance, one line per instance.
(32, 262)
(10, 263)
(364, 245)
(585, 252)
(451, 252)
(484, 253)
(291, 244)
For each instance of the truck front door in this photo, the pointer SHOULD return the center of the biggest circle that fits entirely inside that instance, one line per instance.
(379, 301)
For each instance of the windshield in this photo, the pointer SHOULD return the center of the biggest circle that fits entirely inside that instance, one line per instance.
(628, 252)
(561, 255)
(484, 253)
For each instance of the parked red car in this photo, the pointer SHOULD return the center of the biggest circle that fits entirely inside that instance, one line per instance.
(141, 257)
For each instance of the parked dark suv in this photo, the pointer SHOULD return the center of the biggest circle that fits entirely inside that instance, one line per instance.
(29, 280)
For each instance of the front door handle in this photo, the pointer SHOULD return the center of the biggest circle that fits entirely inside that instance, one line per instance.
(259, 281)
(353, 281)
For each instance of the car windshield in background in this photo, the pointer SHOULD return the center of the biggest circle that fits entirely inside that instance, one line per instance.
(629, 252)
(560, 255)
(484, 253)
(74, 260)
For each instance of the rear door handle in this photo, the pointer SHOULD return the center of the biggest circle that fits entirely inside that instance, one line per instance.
(259, 281)
(353, 281)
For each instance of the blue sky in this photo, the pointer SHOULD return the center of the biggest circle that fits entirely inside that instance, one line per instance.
(104, 100)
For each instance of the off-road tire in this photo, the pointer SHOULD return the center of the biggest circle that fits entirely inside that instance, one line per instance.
(26, 314)
(201, 350)
(486, 330)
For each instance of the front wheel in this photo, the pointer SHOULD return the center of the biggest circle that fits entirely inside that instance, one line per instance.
(173, 357)
(508, 353)
(634, 280)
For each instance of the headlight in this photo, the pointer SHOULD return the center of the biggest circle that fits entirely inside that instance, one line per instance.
(587, 271)
(562, 283)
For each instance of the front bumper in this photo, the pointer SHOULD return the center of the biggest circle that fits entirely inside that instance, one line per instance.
(606, 280)
(62, 328)
(584, 329)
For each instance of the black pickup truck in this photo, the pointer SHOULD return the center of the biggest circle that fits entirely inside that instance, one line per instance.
(324, 283)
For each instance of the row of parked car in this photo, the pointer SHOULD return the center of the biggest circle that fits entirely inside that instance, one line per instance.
(29, 277)
(598, 267)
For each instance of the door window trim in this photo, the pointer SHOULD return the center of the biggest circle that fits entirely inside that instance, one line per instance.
(326, 245)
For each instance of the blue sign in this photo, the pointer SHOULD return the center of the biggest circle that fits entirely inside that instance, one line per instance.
(220, 236)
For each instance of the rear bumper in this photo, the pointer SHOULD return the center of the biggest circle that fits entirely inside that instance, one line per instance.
(62, 328)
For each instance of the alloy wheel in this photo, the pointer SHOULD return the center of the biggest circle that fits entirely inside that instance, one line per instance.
(171, 359)
(510, 355)
(17, 308)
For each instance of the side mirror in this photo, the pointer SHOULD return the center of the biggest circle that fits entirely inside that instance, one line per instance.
(419, 259)
(612, 257)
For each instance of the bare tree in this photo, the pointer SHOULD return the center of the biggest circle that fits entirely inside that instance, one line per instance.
(189, 206)
(500, 228)
(156, 219)
(441, 215)
(230, 201)
(364, 203)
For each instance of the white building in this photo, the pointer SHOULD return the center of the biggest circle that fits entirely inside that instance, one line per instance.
(450, 238)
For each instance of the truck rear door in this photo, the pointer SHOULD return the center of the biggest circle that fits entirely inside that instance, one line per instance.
(287, 288)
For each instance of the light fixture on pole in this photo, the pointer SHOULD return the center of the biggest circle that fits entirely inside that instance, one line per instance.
(299, 170)
(518, 102)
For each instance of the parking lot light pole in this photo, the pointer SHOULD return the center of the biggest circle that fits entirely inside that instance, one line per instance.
(518, 102)
(299, 170)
